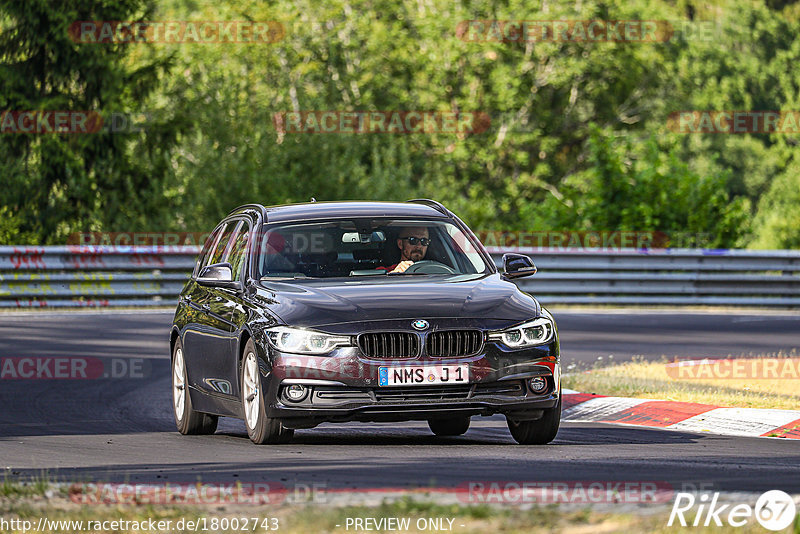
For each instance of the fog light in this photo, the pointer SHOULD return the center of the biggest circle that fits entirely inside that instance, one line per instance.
(537, 384)
(296, 392)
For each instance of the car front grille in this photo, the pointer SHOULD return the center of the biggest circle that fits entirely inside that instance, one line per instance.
(422, 393)
(389, 344)
(444, 393)
(454, 343)
(341, 395)
(515, 387)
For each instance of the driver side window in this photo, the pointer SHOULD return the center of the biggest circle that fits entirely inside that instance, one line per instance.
(208, 249)
(215, 247)
(238, 250)
(223, 244)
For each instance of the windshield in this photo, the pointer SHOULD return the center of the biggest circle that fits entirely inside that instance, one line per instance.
(351, 248)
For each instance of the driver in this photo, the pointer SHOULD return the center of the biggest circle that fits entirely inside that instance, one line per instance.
(413, 243)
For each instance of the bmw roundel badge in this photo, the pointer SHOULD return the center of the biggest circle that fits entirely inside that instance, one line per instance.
(420, 324)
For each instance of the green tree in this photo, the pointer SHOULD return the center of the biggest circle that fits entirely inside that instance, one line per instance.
(642, 185)
(542, 165)
(60, 183)
(777, 222)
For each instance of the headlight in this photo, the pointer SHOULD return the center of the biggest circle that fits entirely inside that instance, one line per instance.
(298, 341)
(528, 334)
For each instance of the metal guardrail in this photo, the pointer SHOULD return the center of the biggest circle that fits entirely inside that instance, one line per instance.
(711, 277)
(94, 276)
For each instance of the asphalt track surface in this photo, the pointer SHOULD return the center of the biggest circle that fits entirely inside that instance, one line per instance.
(122, 430)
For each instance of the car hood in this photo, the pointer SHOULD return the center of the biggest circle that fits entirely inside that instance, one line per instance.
(319, 303)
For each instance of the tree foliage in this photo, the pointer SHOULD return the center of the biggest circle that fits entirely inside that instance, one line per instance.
(578, 137)
(60, 183)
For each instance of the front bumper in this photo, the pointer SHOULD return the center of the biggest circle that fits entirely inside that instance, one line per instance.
(344, 387)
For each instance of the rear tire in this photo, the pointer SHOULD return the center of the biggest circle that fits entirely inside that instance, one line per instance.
(540, 431)
(187, 419)
(260, 428)
(449, 427)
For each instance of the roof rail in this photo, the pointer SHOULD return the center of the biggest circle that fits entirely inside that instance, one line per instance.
(258, 207)
(432, 203)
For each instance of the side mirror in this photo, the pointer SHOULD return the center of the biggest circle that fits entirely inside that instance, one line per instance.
(517, 266)
(218, 275)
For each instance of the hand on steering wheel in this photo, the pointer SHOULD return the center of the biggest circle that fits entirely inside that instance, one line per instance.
(401, 267)
(428, 267)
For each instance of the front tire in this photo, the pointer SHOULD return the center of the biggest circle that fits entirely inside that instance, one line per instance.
(540, 431)
(187, 419)
(260, 428)
(449, 427)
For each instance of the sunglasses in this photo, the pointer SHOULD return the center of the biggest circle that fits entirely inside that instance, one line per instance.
(414, 241)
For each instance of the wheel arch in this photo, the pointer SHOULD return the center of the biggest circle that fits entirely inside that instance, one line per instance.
(244, 337)
(174, 335)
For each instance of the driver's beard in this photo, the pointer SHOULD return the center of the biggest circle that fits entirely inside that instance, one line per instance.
(416, 255)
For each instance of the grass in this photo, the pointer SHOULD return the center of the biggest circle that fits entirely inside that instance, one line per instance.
(707, 384)
(38, 486)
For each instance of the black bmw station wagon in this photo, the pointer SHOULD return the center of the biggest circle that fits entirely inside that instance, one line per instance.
(301, 314)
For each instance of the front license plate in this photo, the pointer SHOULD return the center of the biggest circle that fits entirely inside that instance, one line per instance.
(423, 375)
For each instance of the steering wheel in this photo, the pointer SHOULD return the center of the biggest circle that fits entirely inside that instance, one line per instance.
(430, 267)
